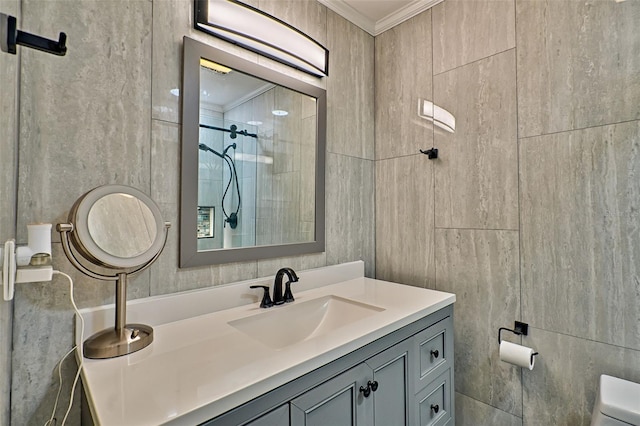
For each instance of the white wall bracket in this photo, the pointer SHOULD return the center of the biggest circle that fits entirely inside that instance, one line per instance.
(27, 264)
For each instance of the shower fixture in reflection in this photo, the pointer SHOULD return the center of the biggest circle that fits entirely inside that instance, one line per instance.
(230, 218)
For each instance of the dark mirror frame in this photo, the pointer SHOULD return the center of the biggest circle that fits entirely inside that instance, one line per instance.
(189, 254)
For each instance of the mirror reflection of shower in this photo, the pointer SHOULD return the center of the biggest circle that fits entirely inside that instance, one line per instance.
(223, 174)
(256, 162)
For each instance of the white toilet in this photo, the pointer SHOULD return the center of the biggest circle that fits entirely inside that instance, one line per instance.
(617, 404)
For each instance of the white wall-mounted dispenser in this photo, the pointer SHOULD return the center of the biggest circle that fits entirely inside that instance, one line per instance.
(27, 264)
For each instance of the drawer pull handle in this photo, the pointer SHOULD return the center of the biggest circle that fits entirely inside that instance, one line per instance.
(435, 354)
(435, 408)
(373, 385)
(365, 391)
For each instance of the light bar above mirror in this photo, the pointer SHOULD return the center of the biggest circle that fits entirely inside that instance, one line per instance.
(262, 33)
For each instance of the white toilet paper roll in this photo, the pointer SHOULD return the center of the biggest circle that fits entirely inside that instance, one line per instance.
(521, 356)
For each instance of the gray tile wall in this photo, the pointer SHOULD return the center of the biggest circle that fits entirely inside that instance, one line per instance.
(104, 114)
(536, 196)
(403, 76)
(9, 72)
(575, 239)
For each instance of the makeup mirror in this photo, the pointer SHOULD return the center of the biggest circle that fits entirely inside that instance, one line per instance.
(114, 231)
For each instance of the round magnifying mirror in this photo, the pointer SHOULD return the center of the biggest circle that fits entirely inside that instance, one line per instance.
(117, 226)
(120, 228)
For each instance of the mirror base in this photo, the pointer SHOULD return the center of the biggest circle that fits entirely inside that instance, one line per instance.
(111, 343)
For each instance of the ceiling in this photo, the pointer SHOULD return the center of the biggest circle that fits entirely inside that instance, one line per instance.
(377, 16)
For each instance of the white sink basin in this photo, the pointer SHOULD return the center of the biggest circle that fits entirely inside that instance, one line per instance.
(282, 326)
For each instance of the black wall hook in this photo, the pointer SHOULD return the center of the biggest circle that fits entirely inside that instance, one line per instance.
(431, 153)
(15, 37)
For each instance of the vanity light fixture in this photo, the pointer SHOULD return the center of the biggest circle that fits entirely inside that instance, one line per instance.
(262, 33)
(439, 116)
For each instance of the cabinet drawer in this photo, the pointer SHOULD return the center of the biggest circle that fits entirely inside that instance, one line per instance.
(435, 352)
(434, 402)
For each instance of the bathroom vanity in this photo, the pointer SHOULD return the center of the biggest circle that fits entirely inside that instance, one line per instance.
(349, 350)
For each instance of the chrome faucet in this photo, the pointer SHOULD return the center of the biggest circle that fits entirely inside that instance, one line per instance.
(278, 297)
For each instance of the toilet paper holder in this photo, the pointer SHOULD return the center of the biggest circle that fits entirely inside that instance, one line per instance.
(520, 328)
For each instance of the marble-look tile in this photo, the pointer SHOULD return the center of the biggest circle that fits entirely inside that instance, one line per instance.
(404, 221)
(84, 118)
(9, 75)
(562, 387)
(403, 75)
(482, 269)
(6, 322)
(465, 31)
(269, 267)
(167, 57)
(8, 136)
(167, 54)
(580, 214)
(578, 64)
(477, 170)
(350, 89)
(470, 412)
(43, 334)
(90, 292)
(350, 216)
(165, 163)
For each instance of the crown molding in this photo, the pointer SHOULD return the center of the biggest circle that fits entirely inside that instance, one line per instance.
(350, 14)
(382, 25)
(403, 14)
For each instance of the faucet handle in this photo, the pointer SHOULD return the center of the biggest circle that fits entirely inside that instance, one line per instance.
(288, 296)
(266, 300)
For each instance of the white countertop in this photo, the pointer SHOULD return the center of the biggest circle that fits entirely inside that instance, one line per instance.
(198, 368)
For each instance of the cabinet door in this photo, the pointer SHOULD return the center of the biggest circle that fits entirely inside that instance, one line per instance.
(277, 417)
(393, 394)
(337, 402)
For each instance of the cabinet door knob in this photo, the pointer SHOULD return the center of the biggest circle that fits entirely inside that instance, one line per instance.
(373, 385)
(435, 408)
(435, 354)
(365, 391)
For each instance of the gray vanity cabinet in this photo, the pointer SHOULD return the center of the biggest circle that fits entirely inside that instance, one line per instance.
(375, 392)
(337, 402)
(409, 372)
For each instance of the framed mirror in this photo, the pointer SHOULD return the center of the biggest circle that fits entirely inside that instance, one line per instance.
(253, 159)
